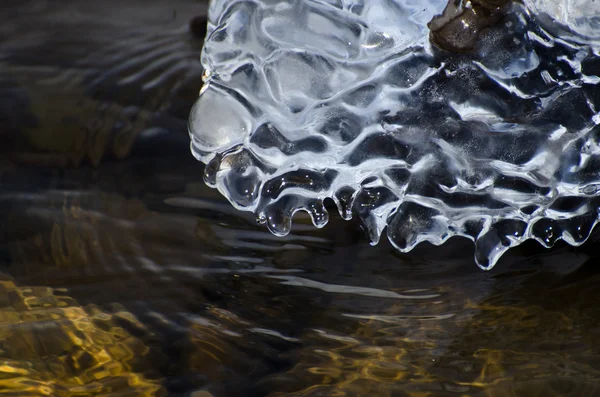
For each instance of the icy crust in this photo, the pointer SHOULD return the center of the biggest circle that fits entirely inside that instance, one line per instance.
(309, 100)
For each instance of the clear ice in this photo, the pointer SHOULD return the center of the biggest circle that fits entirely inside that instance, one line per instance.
(491, 135)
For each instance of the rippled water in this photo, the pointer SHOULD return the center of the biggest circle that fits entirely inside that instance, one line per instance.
(122, 274)
(482, 122)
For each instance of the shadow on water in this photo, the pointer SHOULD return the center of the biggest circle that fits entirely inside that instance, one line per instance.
(122, 274)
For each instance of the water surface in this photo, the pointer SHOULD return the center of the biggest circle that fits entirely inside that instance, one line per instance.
(122, 274)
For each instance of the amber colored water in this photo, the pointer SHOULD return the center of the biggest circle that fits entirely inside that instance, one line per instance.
(122, 274)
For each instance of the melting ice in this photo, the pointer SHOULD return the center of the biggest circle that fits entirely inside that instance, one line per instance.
(426, 121)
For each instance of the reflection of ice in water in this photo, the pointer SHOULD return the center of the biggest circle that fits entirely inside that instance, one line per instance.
(348, 100)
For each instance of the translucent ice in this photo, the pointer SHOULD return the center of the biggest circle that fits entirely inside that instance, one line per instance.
(579, 17)
(489, 133)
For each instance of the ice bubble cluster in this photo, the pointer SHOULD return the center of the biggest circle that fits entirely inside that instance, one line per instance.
(496, 139)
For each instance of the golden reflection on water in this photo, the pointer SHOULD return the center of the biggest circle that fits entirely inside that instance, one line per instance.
(531, 333)
(121, 274)
(51, 346)
(488, 348)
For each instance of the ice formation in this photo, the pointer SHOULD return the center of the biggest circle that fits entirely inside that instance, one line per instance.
(306, 100)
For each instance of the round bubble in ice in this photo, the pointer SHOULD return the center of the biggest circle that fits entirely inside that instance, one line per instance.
(349, 100)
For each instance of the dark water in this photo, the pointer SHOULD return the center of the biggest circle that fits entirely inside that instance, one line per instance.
(122, 274)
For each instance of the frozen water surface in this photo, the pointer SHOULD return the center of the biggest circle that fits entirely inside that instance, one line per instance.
(490, 133)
